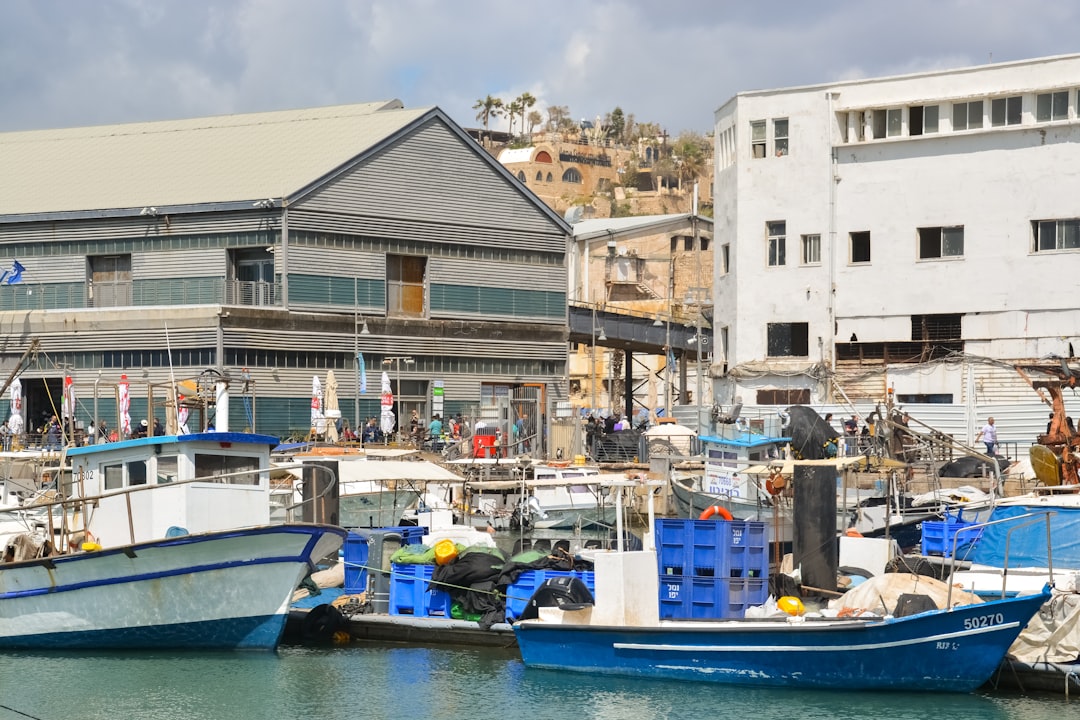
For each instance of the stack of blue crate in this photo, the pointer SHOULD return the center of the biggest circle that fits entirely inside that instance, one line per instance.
(711, 569)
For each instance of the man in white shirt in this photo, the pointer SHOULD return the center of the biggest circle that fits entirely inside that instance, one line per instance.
(989, 436)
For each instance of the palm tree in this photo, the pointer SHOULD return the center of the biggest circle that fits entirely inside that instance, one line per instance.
(513, 110)
(527, 101)
(488, 107)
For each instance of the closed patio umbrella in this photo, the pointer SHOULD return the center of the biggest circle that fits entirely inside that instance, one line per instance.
(318, 420)
(386, 416)
(330, 407)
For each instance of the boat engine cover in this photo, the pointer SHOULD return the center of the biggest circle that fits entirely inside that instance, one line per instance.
(568, 593)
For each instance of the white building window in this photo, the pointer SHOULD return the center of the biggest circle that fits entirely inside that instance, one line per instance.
(941, 242)
(1056, 235)
(923, 119)
(1006, 111)
(777, 242)
(1052, 106)
(780, 136)
(967, 115)
(811, 249)
(757, 138)
(725, 258)
(896, 122)
(860, 247)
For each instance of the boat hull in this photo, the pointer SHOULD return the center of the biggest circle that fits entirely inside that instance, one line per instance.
(953, 651)
(219, 590)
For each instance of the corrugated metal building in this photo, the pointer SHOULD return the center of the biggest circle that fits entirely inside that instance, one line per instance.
(283, 243)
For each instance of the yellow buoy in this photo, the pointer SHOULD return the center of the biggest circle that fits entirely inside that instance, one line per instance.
(445, 551)
(791, 605)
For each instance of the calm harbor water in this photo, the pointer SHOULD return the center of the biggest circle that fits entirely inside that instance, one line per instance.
(415, 683)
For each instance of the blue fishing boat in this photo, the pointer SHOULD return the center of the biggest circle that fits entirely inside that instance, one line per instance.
(956, 648)
(953, 650)
(166, 544)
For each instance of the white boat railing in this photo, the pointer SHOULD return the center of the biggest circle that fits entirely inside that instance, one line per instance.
(81, 503)
(1030, 519)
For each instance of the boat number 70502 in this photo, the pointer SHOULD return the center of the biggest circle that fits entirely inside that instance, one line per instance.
(983, 621)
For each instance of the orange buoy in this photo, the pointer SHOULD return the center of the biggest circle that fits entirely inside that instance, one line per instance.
(716, 510)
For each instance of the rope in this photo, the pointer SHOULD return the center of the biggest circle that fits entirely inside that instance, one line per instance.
(495, 593)
(18, 712)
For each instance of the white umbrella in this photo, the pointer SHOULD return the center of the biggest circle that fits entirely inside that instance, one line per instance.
(386, 416)
(123, 390)
(331, 406)
(15, 422)
(318, 420)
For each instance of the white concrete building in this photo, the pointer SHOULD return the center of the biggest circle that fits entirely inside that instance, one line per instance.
(918, 233)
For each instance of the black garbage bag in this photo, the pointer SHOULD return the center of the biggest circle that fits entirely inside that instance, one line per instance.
(470, 580)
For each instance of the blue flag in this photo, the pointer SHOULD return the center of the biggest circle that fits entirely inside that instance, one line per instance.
(363, 373)
(14, 275)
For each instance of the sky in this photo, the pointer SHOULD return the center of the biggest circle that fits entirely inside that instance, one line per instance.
(69, 63)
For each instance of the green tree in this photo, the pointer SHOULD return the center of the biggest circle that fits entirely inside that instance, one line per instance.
(535, 118)
(691, 152)
(489, 107)
(616, 124)
(557, 117)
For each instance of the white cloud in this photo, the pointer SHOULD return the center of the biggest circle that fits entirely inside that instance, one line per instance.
(85, 63)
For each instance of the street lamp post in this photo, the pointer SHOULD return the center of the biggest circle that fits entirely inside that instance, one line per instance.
(356, 350)
(592, 371)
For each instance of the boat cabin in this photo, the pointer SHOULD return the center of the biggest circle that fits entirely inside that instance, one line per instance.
(735, 447)
(150, 488)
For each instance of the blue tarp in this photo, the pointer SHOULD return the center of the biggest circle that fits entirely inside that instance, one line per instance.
(1027, 545)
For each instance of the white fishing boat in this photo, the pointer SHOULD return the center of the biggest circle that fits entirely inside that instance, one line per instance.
(167, 544)
(377, 487)
(508, 494)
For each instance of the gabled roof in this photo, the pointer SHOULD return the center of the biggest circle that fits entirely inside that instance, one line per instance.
(601, 227)
(229, 158)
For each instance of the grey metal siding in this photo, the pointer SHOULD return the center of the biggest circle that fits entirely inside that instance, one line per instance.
(457, 345)
(432, 186)
(488, 273)
(179, 264)
(342, 262)
(64, 269)
(144, 227)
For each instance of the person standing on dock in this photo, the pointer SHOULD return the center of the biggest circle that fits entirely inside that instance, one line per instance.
(989, 436)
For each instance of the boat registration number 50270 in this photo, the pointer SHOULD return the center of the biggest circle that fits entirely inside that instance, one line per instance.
(983, 621)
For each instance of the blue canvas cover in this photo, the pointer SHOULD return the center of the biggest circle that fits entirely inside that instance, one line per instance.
(1027, 545)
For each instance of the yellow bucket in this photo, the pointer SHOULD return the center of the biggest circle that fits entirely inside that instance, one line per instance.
(579, 459)
(445, 551)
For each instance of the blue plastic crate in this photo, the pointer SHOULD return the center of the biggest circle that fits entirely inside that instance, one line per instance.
(712, 548)
(410, 594)
(709, 598)
(355, 556)
(410, 534)
(518, 593)
(937, 536)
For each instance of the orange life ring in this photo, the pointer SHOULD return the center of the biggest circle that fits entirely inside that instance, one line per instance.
(715, 510)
